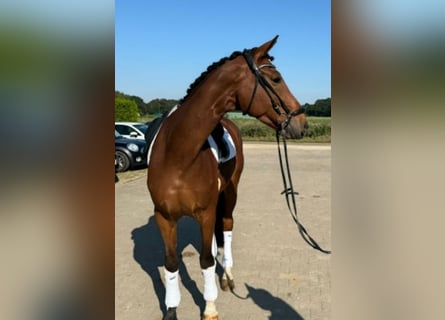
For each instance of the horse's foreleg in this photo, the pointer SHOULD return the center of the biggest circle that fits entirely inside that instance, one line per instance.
(207, 262)
(168, 230)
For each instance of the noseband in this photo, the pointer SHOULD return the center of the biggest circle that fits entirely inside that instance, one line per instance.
(259, 78)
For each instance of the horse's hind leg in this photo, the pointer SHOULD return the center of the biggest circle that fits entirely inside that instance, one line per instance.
(207, 262)
(168, 231)
(229, 198)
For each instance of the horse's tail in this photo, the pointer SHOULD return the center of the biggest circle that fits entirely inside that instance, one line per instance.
(219, 220)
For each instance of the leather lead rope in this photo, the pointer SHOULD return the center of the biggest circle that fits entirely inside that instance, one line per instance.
(290, 193)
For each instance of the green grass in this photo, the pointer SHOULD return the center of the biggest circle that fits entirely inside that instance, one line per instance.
(253, 130)
(145, 118)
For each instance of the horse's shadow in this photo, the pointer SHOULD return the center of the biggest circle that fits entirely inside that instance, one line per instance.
(278, 308)
(149, 253)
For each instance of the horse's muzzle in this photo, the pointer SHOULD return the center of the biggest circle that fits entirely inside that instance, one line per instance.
(294, 130)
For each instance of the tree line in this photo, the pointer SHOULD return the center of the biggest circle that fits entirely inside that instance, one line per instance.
(130, 107)
(137, 104)
(321, 108)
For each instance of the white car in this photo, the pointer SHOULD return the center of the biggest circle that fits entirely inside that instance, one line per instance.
(131, 130)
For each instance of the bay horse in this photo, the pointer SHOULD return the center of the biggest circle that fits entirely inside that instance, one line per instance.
(185, 179)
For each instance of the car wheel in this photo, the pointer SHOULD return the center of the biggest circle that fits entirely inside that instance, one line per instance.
(123, 162)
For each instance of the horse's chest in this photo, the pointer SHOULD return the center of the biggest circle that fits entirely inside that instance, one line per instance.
(188, 197)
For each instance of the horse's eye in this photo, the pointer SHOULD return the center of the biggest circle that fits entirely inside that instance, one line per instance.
(276, 79)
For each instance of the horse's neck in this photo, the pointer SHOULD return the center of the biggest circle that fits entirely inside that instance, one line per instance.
(191, 125)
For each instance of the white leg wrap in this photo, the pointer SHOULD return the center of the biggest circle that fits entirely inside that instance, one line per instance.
(172, 294)
(214, 247)
(227, 257)
(210, 290)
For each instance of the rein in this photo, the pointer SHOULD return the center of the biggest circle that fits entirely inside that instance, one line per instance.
(285, 171)
(290, 194)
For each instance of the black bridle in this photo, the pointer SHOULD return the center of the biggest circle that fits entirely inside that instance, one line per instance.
(285, 171)
(259, 79)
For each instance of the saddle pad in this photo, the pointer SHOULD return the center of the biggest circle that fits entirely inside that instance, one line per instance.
(229, 142)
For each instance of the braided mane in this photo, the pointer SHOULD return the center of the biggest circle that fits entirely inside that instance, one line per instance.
(210, 68)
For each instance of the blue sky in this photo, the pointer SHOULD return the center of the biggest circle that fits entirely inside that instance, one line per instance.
(162, 46)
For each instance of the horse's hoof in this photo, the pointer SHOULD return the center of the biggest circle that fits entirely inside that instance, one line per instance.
(224, 284)
(170, 314)
(227, 284)
(210, 317)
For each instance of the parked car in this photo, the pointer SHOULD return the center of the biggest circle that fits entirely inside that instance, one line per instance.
(129, 153)
(131, 130)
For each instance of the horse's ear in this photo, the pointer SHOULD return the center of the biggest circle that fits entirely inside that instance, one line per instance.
(264, 48)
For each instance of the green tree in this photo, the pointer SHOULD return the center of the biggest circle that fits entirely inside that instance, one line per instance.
(321, 108)
(142, 106)
(157, 106)
(125, 110)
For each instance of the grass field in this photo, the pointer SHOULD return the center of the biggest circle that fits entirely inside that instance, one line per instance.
(253, 130)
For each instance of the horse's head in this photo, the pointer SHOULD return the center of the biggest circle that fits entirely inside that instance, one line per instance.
(264, 94)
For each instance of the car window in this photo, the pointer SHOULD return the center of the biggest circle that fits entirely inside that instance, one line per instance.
(125, 129)
(122, 129)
